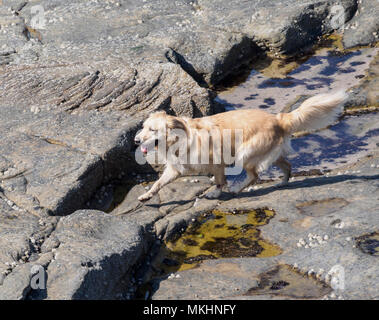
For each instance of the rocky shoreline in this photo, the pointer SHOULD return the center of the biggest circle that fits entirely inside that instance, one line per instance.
(74, 91)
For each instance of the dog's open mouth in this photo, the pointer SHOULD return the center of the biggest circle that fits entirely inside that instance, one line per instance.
(145, 150)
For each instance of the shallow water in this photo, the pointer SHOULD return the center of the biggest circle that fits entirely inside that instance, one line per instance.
(278, 86)
(217, 235)
(286, 282)
(369, 243)
(352, 138)
(328, 69)
(319, 208)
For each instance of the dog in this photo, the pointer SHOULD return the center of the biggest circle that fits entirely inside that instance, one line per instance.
(265, 140)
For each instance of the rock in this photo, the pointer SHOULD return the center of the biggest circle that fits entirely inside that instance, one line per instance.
(88, 255)
(366, 93)
(284, 26)
(20, 235)
(131, 204)
(175, 190)
(363, 28)
(94, 258)
(77, 79)
(16, 285)
(68, 104)
(334, 263)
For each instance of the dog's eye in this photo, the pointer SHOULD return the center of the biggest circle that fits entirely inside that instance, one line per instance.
(152, 130)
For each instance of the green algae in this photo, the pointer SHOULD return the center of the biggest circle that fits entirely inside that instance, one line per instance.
(216, 235)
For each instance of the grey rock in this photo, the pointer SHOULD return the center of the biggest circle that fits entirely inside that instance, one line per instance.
(94, 257)
(366, 93)
(237, 277)
(143, 62)
(363, 28)
(130, 203)
(175, 197)
(74, 90)
(87, 255)
(21, 236)
(16, 285)
(284, 26)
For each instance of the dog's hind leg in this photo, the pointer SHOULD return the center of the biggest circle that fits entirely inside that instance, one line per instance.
(220, 181)
(285, 166)
(251, 177)
(169, 174)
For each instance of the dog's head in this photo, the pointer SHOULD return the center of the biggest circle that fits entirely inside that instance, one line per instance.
(159, 129)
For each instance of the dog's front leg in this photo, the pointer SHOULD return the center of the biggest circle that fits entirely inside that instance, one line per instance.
(220, 181)
(169, 174)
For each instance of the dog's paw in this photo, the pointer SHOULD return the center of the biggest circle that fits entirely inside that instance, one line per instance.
(145, 197)
(213, 194)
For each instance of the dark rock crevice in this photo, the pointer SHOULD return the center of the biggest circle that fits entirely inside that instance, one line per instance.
(175, 57)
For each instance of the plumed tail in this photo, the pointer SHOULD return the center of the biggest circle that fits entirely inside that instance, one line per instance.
(314, 113)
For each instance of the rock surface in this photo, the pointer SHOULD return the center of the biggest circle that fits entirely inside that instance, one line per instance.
(76, 80)
(95, 252)
(363, 28)
(86, 255)
(339, 227)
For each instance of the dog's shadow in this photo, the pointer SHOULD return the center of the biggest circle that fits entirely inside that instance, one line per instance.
(306, 183)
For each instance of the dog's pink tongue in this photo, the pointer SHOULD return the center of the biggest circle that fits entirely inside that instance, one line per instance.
(143, 149)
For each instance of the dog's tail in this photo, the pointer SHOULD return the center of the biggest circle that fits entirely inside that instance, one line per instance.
(314, 113)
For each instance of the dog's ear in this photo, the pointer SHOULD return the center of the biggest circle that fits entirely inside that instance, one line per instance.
(159, 113)
(176, 128)
(176, 123)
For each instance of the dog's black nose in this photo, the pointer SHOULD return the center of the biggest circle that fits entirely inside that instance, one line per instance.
(137, 141)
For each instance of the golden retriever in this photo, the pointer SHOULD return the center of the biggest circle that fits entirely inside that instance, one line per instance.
(264, 139)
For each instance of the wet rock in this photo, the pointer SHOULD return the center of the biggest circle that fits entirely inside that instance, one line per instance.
(212, 278)
(350, 139)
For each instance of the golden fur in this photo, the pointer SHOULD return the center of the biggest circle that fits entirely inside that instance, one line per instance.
(266, 139)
